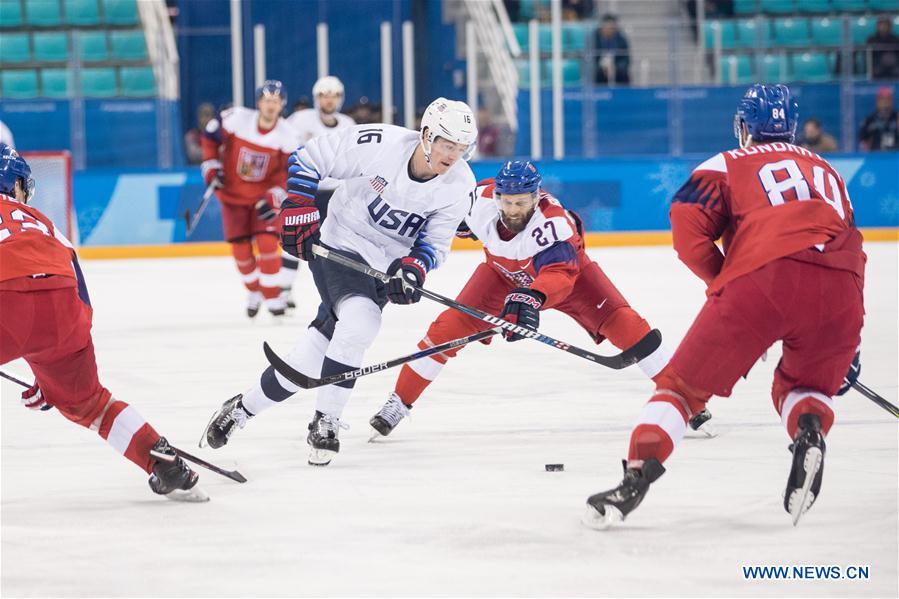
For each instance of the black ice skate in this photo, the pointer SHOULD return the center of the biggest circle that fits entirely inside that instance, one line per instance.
(612, 506)
(172, 477)
(700, 422)
(287, 296)
(322, 439)
(254, 302)
(388, 416)
(232, 415)
(804, 483)
(276, 306)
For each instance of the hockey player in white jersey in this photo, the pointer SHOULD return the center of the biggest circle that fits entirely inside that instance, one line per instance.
(309, 123)
(402, 195)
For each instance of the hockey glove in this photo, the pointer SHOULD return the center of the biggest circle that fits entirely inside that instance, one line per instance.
(522, 308)
(408, 274)
(265, 210)
(463, 231)
(300, 224)
(33, 399)
(855, 369)
(212, 172)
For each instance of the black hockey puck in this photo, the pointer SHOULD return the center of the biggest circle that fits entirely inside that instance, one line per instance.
(555, 467)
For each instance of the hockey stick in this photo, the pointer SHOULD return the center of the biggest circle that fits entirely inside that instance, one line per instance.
(858, 386)
(232, 474)
(648, 344)
(304, 382)
(192, 221)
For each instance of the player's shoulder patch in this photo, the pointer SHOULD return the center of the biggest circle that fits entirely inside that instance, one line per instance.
(716, 163)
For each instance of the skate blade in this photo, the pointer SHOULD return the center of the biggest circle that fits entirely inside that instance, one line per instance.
(193, 495)
(801, 499)
(593, 519)
(320, 457)
(375, 435)
(706, 431)
(203, 444)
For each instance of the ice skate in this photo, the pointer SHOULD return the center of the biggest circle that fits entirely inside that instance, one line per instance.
(232, 415)
(322, 438)
(612, 506)
(388, 416)
(254, 302)
(287, 296)
(172, 477)
(701, 423)
(276, 306)
(804, 483)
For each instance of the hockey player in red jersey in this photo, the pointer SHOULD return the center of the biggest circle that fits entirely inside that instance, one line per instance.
(45, 318)
(246, 152)
(535, 261)
(792, 269)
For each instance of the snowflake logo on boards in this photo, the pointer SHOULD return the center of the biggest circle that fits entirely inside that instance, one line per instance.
(668, 178)
(379, 184)
(520, 278)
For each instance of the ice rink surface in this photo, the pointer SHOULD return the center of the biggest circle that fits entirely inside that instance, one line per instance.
(456, 501)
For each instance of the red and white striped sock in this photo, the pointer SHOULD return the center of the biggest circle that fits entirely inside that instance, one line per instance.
(801, 401)
(660, 427)
(127, 432)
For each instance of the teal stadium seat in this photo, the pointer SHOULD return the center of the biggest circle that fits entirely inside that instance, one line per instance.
(545, 36)
(827, 31)
(862, 28)
(811, 67)
(571, 71)
(51, 46)
(92, 46)
(99, 82)
(778, 7)
(19, 85)
(752, 33)
(849, 5)
(120, 12)
(10, 14)
(773, 68)
(813, 6)
(128, 45)
(526, 10)
(521, 35)
(746, 7)
(138, 82)
(883, 4)
(728, 37)
(14, 48)
(56, 83)
(81, 12)
(574, 37)
(791, 32)
(42, 13)
(736, 69)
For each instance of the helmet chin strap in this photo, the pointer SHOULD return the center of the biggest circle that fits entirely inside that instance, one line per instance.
(427, 151)
(745, 137)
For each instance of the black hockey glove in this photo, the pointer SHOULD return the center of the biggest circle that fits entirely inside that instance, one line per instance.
(463, 231)
(299, 228)
(406, 272)
(855, 369)
(266, 211)
(522, 308)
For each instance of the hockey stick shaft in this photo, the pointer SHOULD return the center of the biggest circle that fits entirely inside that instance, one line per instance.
(892, 409)
(232, 474)
(630, 356)
(192, 221)
(304, 382)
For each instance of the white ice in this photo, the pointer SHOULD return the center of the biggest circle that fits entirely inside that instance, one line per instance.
(456, 501)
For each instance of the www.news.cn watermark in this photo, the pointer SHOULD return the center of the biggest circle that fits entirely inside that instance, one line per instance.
(806, 572)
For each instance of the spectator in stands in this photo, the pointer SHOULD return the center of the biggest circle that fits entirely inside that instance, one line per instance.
(884, 47)
(577, 10)
(488, 133)
(362, 112)
(880, 131)
(301, 104)
(6, 136)
(205, 112)
(614, 60)
(814, 137)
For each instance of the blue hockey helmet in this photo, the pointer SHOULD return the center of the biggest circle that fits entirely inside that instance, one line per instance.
(769, 112)
(271, 87)
(14, 168)
(517, 176)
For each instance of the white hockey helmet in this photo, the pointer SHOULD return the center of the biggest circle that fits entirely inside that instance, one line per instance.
(328, 84)
(451, 120)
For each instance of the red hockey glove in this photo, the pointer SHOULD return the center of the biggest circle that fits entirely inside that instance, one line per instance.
(299, 228)
(212, 172)
(522, 308)
(408, 274)
(33, 399)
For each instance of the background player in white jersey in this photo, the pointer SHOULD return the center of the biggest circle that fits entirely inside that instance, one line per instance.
(402, 195)
(535, 261)
(309, 123)
(246, 152)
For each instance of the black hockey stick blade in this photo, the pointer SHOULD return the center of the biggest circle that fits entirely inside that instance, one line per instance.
(886, 405)
(642, 348)
(232, 474)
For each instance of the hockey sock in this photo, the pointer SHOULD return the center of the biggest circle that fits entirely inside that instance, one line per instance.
(272, 388)
(288, 272)
(269, 265)
(624, 327)
(246, 263)
(358, 322)
(806, 401)
(416, 376)
(660, 427)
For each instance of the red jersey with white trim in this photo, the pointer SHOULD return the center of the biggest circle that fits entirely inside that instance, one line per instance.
(764, 202)
(30, 246)
(546, 256)
(253, 160)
